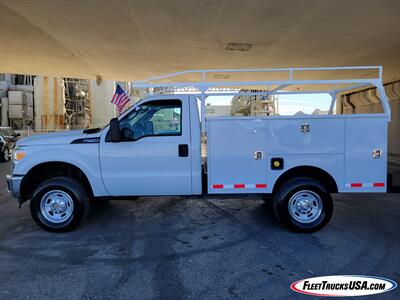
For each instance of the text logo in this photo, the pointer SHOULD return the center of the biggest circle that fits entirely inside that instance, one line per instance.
(343, 286)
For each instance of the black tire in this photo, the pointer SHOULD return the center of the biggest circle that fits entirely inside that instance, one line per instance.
(5, 155)
(267, 198)
(294, 187)
(75, 191)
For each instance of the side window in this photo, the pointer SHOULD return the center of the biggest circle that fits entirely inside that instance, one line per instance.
(153, 118)
(4, 132)
(7, 132)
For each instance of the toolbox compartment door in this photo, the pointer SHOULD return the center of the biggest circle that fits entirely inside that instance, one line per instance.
(237, 161)
(307, 136)
(364, 170)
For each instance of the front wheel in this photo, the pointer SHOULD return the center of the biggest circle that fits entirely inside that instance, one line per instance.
(6, 154)
(303, 205)
(59, 204)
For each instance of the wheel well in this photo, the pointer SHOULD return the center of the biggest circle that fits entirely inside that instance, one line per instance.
(48, 170)
(311, 172)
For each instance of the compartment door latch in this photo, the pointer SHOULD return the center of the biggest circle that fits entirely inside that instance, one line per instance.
(376, 153)
(258, 155)
(305, 128)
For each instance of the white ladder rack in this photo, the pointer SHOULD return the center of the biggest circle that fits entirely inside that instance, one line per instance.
(205, 87)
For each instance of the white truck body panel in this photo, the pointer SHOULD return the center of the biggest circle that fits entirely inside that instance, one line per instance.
(83, 156)
(230, 155)
(335, 144)
(363, 173)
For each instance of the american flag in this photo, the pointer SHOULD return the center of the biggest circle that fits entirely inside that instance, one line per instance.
(120, 98)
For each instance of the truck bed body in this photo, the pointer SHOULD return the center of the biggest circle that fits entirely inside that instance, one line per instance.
(341, 145)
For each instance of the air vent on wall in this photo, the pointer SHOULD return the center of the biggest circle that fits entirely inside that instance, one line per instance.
(238, 46)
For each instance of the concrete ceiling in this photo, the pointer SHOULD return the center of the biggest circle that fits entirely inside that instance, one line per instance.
(131, 40)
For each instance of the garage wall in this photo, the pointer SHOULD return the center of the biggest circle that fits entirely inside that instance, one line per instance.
(49, 103)
(367, 101)
(102, 110)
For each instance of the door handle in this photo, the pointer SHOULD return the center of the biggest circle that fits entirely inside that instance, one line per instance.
(183, 150)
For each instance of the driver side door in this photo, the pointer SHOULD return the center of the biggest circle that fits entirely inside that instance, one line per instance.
(154, 156)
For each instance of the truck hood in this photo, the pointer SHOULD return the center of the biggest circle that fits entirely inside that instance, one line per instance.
(56, 138)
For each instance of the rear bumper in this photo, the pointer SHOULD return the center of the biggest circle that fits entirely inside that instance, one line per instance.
(14, 185)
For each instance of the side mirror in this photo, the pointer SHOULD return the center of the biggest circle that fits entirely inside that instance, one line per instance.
(127, 134)
(115, 133)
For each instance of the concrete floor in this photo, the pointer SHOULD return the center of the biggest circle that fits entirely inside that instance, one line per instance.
(174, 248)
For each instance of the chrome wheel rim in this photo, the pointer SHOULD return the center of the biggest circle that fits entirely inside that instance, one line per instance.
(305, 206)
(56, 206)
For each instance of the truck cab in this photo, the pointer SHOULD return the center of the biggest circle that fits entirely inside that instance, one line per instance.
(158, 150)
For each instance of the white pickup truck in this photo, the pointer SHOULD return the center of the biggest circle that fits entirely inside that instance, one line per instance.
(154, 148)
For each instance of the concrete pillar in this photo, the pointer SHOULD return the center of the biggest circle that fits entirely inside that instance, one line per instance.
(8, 78)
(102, 110)
(49, 103)
(4, 111)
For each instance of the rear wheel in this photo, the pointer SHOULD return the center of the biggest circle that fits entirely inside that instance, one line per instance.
(59, 204)
(303, 205)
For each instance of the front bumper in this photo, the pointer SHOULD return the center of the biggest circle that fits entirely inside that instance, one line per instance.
(14, 185)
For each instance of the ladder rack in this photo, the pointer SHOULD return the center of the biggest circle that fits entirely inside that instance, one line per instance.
(205, 87)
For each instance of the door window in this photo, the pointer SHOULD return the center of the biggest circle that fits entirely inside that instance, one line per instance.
(153, 118)
(7, 132)
(12, 132)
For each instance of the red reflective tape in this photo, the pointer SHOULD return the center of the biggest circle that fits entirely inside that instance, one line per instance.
(356, 184)
(261, 185)
(239, 186)
(379, 184)
(218, 186)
